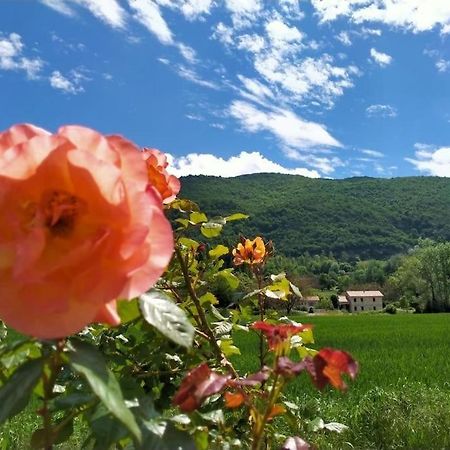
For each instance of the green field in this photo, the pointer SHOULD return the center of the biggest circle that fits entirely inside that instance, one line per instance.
(401, 398)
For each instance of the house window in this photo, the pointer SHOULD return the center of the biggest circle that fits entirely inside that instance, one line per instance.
(374, 308)
(354, 300)
(362, 300)
(362, 308)
(374, 299)
(356, 308)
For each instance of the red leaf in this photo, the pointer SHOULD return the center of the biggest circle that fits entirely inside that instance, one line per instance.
(328, 366)
(200, 383)
(288, 368)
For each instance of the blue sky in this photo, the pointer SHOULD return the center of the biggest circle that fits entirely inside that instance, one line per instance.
(327, 88)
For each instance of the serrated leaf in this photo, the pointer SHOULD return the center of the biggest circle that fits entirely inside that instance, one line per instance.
(211, 229)
(222, 328)
(236, 216)
(88, 361)
(197, 217)
(219, 251)
(16, 392)
(161, 312)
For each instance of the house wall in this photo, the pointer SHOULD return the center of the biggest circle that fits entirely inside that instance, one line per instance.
(359, 304)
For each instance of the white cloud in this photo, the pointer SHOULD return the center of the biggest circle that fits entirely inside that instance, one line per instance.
(372, 153)
(290, 129)
(279, 33)
(192, 9)
(148, 14)
(344, 38)
(69, 86)
(383, 59)
(307, 78)
(12, 57)
(60, 6)
(242, 164)
(190, 74)
(381, 111)
(252, 43)
(325, 164)
(435, 162)
(243, 12)
(223, 33)
(414, 15)
(108, 11)
(188, 53)
(255, 90)
(442, 65)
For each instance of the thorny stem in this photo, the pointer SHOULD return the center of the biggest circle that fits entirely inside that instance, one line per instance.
(201, 314)
(49, 380)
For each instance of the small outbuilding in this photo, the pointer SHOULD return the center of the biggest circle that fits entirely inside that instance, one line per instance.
(343, 302)
(364, 300)
(310, 301)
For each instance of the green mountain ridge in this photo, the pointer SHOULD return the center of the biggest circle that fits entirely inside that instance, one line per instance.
(354, 217)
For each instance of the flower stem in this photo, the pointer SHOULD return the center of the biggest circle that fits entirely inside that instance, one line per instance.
(206, 329)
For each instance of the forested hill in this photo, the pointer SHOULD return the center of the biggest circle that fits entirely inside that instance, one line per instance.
(365, 217)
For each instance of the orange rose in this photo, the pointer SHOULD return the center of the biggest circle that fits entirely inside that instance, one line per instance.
(249, 252)
(166, 185)
(78, 229)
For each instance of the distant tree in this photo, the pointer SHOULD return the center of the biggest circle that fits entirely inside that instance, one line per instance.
(335, 300)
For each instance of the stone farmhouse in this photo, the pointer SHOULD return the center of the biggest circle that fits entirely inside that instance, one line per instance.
(310, 301)
(364, 301)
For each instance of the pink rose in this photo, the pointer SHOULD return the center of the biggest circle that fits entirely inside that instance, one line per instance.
(78, 229)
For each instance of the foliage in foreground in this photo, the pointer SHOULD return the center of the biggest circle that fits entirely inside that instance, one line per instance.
(85, 226)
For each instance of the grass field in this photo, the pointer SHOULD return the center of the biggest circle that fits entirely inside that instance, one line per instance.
(401, 398)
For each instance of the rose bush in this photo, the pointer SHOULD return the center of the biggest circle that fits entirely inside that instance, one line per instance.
(79, 229)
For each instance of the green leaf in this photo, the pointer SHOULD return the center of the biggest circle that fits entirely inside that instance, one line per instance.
(184, 205)
(161, 312)
(188, 243)
(183, 222)
(336, 427)
(15, 394)
(88, 361)
(198, 217)
(236, 216)
(208, 298)
(228, 348)
(211, 229)
(128, 310)
(231, 279)
(219, 251)
(316, 424)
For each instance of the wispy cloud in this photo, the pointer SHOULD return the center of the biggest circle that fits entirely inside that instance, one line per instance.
(372, 153)
(384, 111)
(382, 59)
(290, 129)
(68, 84)
(241, 164)
(12, 57)
(191, 75)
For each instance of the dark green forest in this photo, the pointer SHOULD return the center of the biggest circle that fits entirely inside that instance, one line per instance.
(352, 218)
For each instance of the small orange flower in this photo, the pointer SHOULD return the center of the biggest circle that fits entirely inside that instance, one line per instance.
(166, 185)
(250, 252)
(234, 399)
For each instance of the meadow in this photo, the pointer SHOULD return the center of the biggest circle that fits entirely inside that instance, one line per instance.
(400, 399)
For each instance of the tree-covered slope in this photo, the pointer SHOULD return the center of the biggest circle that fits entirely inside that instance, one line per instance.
(363, 217)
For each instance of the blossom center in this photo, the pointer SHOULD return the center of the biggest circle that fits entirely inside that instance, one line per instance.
(60, 210)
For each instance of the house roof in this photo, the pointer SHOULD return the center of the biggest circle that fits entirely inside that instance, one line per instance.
(311, 298)
(342, 299)
(364, 294)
